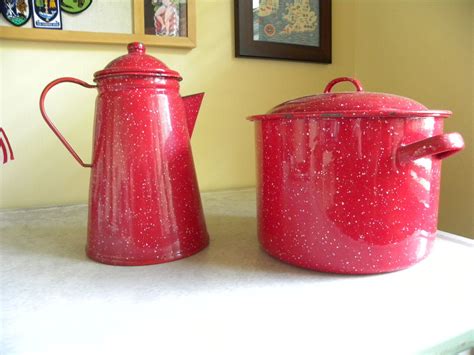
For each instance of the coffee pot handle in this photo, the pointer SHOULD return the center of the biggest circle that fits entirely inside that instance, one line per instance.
(48, 120)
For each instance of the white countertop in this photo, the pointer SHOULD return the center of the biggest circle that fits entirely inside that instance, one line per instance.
(229, 299)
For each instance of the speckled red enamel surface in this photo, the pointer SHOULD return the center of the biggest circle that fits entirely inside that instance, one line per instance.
(144, 204)
(350, 193)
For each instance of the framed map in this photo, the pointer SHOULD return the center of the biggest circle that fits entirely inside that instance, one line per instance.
(284, 29)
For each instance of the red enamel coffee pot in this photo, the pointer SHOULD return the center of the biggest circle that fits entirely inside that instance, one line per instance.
(144, 203)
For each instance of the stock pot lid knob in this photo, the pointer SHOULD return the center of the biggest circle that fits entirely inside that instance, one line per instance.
(356, 83)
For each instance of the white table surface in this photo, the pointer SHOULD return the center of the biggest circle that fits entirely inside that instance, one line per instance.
(229, 299)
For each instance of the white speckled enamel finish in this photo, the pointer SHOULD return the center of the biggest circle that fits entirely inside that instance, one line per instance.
(144, 204)
(349, 182)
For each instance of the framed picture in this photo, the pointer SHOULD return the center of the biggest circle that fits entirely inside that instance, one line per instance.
(283, 29)
(166, 18)
(167, 23)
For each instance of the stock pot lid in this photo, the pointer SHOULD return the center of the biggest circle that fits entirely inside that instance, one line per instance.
(358, 104)
(137, 62)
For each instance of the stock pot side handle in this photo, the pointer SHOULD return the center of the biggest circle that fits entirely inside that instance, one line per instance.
(439, 147)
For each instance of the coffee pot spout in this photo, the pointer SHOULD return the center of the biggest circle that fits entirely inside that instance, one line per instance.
(192, 104)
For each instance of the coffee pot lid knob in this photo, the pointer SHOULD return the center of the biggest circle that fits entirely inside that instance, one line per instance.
(136, 47)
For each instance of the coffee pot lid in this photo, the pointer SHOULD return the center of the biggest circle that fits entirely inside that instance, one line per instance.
(137, 62)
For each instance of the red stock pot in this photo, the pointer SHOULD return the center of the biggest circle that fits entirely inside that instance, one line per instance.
(349, 182)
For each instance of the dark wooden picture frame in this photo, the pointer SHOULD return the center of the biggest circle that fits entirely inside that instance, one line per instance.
(246, 46)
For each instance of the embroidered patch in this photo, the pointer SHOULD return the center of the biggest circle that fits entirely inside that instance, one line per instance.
(17, 12)
(47, 14)
(75, 6)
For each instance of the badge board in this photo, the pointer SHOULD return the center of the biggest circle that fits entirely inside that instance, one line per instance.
(115, 21)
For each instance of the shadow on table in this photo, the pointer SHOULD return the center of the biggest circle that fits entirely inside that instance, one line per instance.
(234, 246)
(233, 252)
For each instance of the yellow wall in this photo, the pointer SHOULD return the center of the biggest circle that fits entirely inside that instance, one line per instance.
(45, 174)
(424, 50)
(420, 49)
